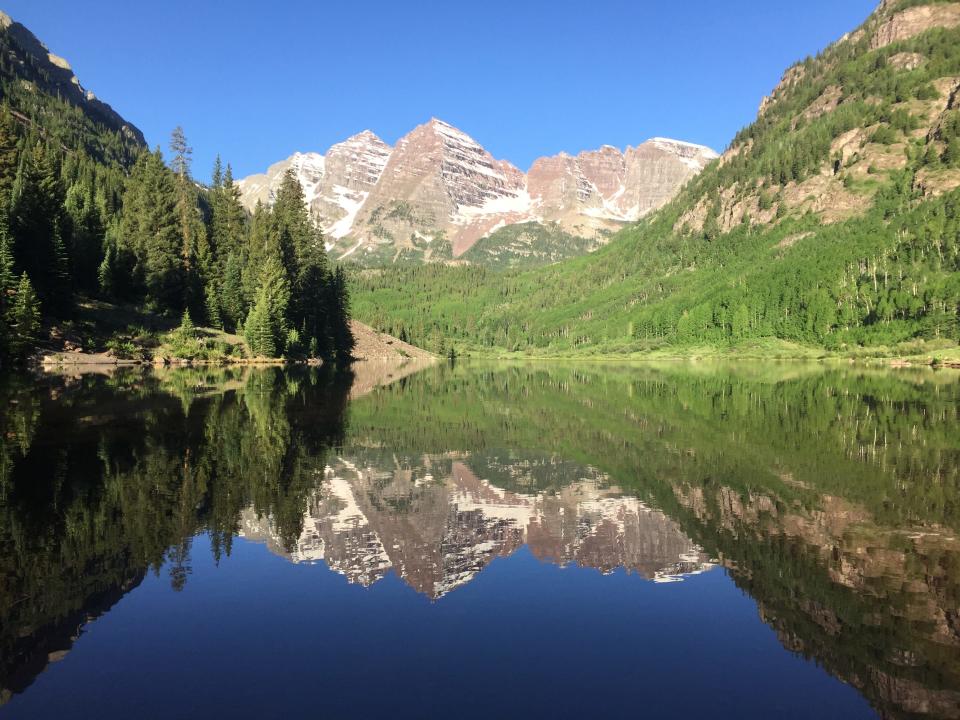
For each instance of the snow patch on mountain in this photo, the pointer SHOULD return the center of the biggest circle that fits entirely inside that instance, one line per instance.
(518, 203)
(350, 202)
(438, 180)
(692, 155)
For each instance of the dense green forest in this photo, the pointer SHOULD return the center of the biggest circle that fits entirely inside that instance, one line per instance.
(746, 252)
(87, 212)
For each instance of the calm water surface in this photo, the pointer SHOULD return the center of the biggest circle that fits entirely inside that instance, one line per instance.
(553, 541)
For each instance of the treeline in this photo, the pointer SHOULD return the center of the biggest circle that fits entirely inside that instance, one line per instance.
(177, 247)
(889, 277)
(71, 226)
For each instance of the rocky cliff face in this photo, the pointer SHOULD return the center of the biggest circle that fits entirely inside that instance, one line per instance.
(438, 192)
(896, 26)
(830, 190)
(353, 169)
(439, 525)
(54, 76)
(439, 183)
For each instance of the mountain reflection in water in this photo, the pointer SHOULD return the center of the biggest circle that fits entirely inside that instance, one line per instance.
(831, 497)
(438, 525)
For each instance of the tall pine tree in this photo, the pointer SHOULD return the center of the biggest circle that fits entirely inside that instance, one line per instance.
(150, 231)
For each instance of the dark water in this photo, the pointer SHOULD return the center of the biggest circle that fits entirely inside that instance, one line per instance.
(552, 541)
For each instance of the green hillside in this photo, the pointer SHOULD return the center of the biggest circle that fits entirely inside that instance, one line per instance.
(528, 245)
(86, 212)
(831, 222)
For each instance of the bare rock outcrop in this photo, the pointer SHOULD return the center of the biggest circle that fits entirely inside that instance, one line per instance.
(913, 21)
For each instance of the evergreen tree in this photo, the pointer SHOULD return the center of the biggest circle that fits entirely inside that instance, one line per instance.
(182, 152)
(227, 237)
(343, 341)
(217, 176)
(37, 222)
(187, 328)
(150, 231)
(8, 282)
(276, 288)
(195, 254)
(213, 307)
(231, 302)
(312, 311)
(258, 328)
(24, 318)
(293, 230)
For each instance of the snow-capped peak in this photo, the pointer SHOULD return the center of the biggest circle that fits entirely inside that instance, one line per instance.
(439, 181)
(671, 145)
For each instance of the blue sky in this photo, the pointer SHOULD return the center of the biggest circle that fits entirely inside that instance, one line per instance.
(257, 81)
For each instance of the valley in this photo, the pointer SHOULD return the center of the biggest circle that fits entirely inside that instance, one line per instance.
(538, 414)
(828, 228)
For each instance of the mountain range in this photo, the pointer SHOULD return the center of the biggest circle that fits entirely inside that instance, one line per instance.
(437, 192)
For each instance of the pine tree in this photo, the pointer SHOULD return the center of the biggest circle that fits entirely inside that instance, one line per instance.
(150, 232)
(261, 245)
(24, 318)
(8, 282)
(194, 251)
(311, 309)
(295, 233)
(213, 307)
(106, 273)
(276, 288)
(217, 173)
(258, 329)
(87, 230)
(266, 327)
(227, 224)
(36, 224)
(343, 340)
(187, 329)
(182, 152)
(232, 305)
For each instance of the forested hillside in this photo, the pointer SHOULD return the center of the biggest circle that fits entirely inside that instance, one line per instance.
(832, 221)
(87, 212)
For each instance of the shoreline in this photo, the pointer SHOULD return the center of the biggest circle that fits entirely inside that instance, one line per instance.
(74, 361)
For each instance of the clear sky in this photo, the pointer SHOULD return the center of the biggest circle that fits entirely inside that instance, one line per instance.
(256, 81)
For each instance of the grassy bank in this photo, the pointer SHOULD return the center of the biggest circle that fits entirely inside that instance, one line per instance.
(916, 352)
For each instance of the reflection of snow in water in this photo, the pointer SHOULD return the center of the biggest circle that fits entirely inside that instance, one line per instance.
(438, 534)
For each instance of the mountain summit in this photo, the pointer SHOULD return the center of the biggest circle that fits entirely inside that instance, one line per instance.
(438, 191)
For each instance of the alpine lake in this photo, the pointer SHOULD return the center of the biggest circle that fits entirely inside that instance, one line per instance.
(479, 540)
